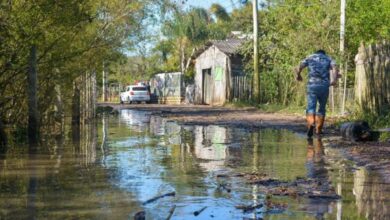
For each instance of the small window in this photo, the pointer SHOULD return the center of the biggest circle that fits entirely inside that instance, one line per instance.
(139, 89)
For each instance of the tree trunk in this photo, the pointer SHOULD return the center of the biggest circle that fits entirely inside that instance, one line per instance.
(76, 113)
(33, 125)
(3, 136)
(190, 59)
(182, 56)
(94, 93)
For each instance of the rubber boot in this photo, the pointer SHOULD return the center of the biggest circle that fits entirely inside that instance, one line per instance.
(310, 118)
(319, 124)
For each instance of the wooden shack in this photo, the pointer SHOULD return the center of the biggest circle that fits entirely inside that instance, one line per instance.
(219, 73)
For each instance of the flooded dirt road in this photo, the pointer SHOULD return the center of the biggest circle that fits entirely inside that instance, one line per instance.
(122, 161)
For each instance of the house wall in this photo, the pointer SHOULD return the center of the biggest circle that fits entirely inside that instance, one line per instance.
(213, 59)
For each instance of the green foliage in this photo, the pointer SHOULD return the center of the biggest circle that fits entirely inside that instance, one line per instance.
(185, 32)
(71, 36)
(368, 21)
(77, 36)
(290, 30)
(220, 13)
(375, 121)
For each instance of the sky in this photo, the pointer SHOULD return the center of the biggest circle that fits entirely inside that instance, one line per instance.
(228, 4)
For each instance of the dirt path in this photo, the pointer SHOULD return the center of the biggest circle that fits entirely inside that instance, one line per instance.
(374, 156)
(226, 116)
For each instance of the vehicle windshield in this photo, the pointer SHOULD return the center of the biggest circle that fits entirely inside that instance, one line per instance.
(139, 88)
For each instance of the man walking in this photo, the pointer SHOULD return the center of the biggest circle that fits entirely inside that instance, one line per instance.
(319, 65)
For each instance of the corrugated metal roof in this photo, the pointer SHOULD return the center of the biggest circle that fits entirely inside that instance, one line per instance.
(228, 46)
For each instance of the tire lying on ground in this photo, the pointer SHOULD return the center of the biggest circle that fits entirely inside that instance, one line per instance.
(358, 131)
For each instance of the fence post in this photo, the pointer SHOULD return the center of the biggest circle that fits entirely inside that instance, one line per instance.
(372, 77)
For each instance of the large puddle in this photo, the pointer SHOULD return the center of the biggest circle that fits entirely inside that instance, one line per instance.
(128, 159)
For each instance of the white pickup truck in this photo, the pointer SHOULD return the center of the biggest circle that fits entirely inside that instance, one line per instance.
(135, 94)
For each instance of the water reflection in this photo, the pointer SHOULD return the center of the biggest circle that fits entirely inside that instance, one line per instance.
(372, 195)
(119, 162)
(210, 146)
(316, 170)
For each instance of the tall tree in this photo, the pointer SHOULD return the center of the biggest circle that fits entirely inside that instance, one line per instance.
(33, 120)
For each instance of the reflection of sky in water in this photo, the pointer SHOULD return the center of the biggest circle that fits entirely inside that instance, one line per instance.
(137, 121)
(143, 159)
(135, 162)
(137, 171)
(138, 168)
(159, 156)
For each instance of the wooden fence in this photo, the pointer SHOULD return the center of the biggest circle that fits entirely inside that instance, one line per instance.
(372, 77)
(84, 98)
(241, 88)
(341, 100)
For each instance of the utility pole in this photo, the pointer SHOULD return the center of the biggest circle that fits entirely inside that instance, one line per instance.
(342, 47)
(342, 26)
(256, 75)
(104, 84)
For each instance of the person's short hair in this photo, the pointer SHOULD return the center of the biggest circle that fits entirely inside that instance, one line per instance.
(321, 51)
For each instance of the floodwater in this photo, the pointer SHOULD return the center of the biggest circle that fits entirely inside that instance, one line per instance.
(122, 161)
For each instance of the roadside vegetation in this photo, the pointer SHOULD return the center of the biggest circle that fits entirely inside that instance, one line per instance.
(290, 30)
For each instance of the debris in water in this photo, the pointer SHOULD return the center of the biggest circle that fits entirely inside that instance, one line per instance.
(283, 191)
(267, 182)
(324, 196)
(171, 211)
(158, 197)
(140, 215)
(273, 207)
(247, 208)
(224, 186)
(312, 188)
(248, 176)
(196, 213)
(222, 176)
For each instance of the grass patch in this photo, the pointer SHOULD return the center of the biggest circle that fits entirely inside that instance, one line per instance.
(375, 121)
(290, 109)
(240, 104)
(269, 108)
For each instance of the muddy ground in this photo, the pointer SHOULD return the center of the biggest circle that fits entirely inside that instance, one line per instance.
(224, 116)
(372, 155)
